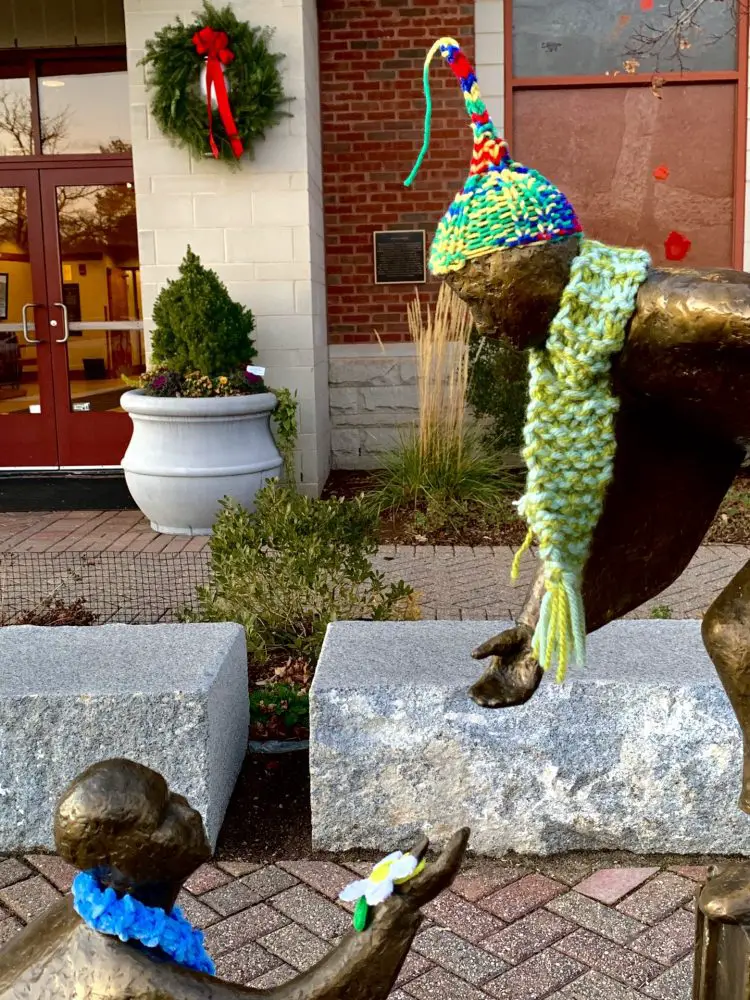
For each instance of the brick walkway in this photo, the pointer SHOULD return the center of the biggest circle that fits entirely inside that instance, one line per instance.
(567, 929)
(453, 582)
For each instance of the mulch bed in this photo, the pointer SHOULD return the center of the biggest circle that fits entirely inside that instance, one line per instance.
(731, 525)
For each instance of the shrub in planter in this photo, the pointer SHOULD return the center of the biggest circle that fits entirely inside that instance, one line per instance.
(201, 419)
(291, 567)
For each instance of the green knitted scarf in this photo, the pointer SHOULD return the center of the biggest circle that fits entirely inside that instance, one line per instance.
(570, 439)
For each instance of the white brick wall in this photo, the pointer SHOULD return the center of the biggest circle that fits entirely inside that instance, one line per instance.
(260, 228)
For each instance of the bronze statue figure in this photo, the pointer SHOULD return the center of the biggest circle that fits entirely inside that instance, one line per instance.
(120, 819)
(683, 382)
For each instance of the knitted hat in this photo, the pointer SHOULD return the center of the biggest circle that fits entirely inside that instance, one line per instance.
(503, 204)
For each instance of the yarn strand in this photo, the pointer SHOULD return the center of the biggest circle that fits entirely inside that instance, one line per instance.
(427, 113)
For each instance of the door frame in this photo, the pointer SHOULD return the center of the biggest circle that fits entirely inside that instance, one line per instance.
(89, 439)
(738, 76)
(29, 440)
(69, 444)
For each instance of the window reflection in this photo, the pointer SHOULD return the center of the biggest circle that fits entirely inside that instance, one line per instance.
(87, 113)
(101, 290)
(589, 37)
(16, 133)
(19, 381)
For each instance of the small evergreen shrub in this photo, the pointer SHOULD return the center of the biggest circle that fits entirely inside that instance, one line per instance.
(291, 567)
(199, 327)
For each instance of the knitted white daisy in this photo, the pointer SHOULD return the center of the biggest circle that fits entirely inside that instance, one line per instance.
(387, 874)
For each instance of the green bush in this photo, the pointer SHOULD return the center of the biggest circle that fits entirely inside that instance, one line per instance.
(198, 327)
(296, 564)
(442, 487)
(499, 390)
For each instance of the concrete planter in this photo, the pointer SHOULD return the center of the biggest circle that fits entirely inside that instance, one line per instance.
(185, 455)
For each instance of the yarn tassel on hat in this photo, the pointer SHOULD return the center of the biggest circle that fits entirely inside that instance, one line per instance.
(489, 148)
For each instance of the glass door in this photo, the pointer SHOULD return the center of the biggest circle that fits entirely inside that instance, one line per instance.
(94, 304)
(27, 405)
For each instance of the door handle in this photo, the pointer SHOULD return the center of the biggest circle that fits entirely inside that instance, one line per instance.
(66, 331)
(25, 322)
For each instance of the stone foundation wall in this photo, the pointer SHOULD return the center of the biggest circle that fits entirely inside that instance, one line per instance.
(373, 401)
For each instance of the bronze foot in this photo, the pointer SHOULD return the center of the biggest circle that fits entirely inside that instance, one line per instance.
(499, 687)
(513, 674)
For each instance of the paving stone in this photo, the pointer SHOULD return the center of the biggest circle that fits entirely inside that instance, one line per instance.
(474, 885)
(231, 898)
(276, 977)
(307, 908)
(527, 936)
(595, 986)
(295, 946)
(238, 868)
(567, 868)
(415, 965)
(199, 915)
(8, 928)
(658, 897)
(668, 940)
(245, 964)
(54, 869)
(698, 873)
(597, 917)
(324, 876)
(458, 956)
(609, 885)
(206, 878)
(520, 898)
(440, 985)
(233, 932)
(12, 871)
(612, 959)
(675, 984)
(29, 898)
(268, 881)
(461, 916)
(547, 971)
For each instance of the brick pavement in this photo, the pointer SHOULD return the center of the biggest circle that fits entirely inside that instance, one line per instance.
(571, 928)
(454, 582)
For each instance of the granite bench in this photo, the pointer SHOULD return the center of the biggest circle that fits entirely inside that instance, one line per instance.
(640, 751)
(173, 697)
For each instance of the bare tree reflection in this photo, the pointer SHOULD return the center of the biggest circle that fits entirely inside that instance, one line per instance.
(669, 36)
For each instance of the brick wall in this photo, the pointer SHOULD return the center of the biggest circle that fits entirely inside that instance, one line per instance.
(371, 58)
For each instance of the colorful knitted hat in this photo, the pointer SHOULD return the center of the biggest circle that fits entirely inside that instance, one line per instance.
(503, 204)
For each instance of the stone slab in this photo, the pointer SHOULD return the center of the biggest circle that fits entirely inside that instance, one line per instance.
(173, 697)
(640, 751)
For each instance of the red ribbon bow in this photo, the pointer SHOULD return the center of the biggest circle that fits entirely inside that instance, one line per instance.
(213, 45)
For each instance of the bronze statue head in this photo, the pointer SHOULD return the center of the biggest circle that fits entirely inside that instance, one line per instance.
(515, 293)
(121, 819)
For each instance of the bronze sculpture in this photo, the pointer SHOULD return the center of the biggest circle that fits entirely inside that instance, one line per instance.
(683, 381)
(120, 818)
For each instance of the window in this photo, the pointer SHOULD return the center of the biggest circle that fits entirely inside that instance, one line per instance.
(65, 106)
(638, 113)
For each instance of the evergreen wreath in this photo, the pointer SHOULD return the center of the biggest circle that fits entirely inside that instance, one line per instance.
(253, 80)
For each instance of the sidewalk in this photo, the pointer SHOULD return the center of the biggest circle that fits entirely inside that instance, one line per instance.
(453, 581)
(572, 928)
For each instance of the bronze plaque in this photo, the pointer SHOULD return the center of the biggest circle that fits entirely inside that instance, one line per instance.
(400, 257)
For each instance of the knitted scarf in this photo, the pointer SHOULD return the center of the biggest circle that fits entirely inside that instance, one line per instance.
(569, 437)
